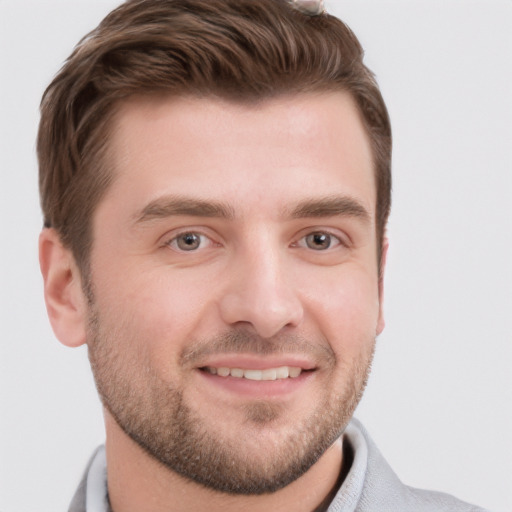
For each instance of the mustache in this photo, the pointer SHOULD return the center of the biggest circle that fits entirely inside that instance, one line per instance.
(244, 342)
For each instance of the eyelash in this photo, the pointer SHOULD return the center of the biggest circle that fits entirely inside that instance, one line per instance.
(173, 242)
(302, 242)
(335, 240)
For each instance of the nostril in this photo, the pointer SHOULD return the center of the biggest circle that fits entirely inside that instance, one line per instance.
(262, 301)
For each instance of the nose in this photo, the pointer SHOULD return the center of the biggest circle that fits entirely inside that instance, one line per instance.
(260, 294)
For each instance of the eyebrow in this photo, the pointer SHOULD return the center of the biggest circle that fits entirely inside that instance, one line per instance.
(169, 206)
(331, 207)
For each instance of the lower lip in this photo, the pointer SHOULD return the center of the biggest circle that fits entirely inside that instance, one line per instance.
(258, 388)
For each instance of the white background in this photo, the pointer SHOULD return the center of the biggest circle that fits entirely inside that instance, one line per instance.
(439, 403)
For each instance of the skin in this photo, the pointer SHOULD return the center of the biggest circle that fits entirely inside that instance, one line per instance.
(271, 176)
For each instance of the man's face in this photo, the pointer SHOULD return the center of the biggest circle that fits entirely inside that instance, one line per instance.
(234, 284)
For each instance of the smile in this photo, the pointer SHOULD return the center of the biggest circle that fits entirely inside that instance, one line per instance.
(282, 372)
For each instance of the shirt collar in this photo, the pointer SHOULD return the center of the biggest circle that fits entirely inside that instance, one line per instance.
(97, 493)
(345, 500)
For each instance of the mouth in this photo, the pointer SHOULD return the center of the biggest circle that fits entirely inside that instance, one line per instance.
(267, 374)
(248, 376)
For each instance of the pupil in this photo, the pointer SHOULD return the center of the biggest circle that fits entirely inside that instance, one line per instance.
(320, 241)
(188, 241)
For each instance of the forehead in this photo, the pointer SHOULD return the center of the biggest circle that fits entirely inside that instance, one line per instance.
(278, 149)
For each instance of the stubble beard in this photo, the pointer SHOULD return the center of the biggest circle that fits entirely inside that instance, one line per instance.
(157, 417)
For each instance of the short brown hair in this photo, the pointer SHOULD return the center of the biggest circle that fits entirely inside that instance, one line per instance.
(242, 50)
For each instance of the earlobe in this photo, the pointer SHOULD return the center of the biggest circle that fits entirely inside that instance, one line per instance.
(65, 300)
(381, 322)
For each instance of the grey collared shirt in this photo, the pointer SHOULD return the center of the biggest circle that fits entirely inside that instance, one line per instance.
(370, 484)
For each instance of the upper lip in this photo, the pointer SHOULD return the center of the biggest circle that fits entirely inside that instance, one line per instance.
(248, 362)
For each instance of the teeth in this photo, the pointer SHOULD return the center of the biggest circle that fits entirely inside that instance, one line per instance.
(282, 372)
(295, 372)
(253, 374)
(270, 374)
(236, 372)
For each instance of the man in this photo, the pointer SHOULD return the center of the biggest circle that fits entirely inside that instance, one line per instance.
(215, 181)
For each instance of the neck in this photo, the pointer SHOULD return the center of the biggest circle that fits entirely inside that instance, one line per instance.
(136, 481)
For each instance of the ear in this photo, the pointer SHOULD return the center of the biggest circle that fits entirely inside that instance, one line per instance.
(383, 258)
(63, 294)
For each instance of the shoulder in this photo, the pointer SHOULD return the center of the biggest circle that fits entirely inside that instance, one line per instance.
(372, 486)
(92, 490)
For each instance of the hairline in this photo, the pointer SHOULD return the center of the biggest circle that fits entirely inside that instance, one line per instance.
(104, 158)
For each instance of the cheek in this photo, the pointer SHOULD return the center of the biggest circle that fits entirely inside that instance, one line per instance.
(153, 313)
(345, 306)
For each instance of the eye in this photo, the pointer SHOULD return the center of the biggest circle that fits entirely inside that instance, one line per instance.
(319, 241)
(189, 241)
